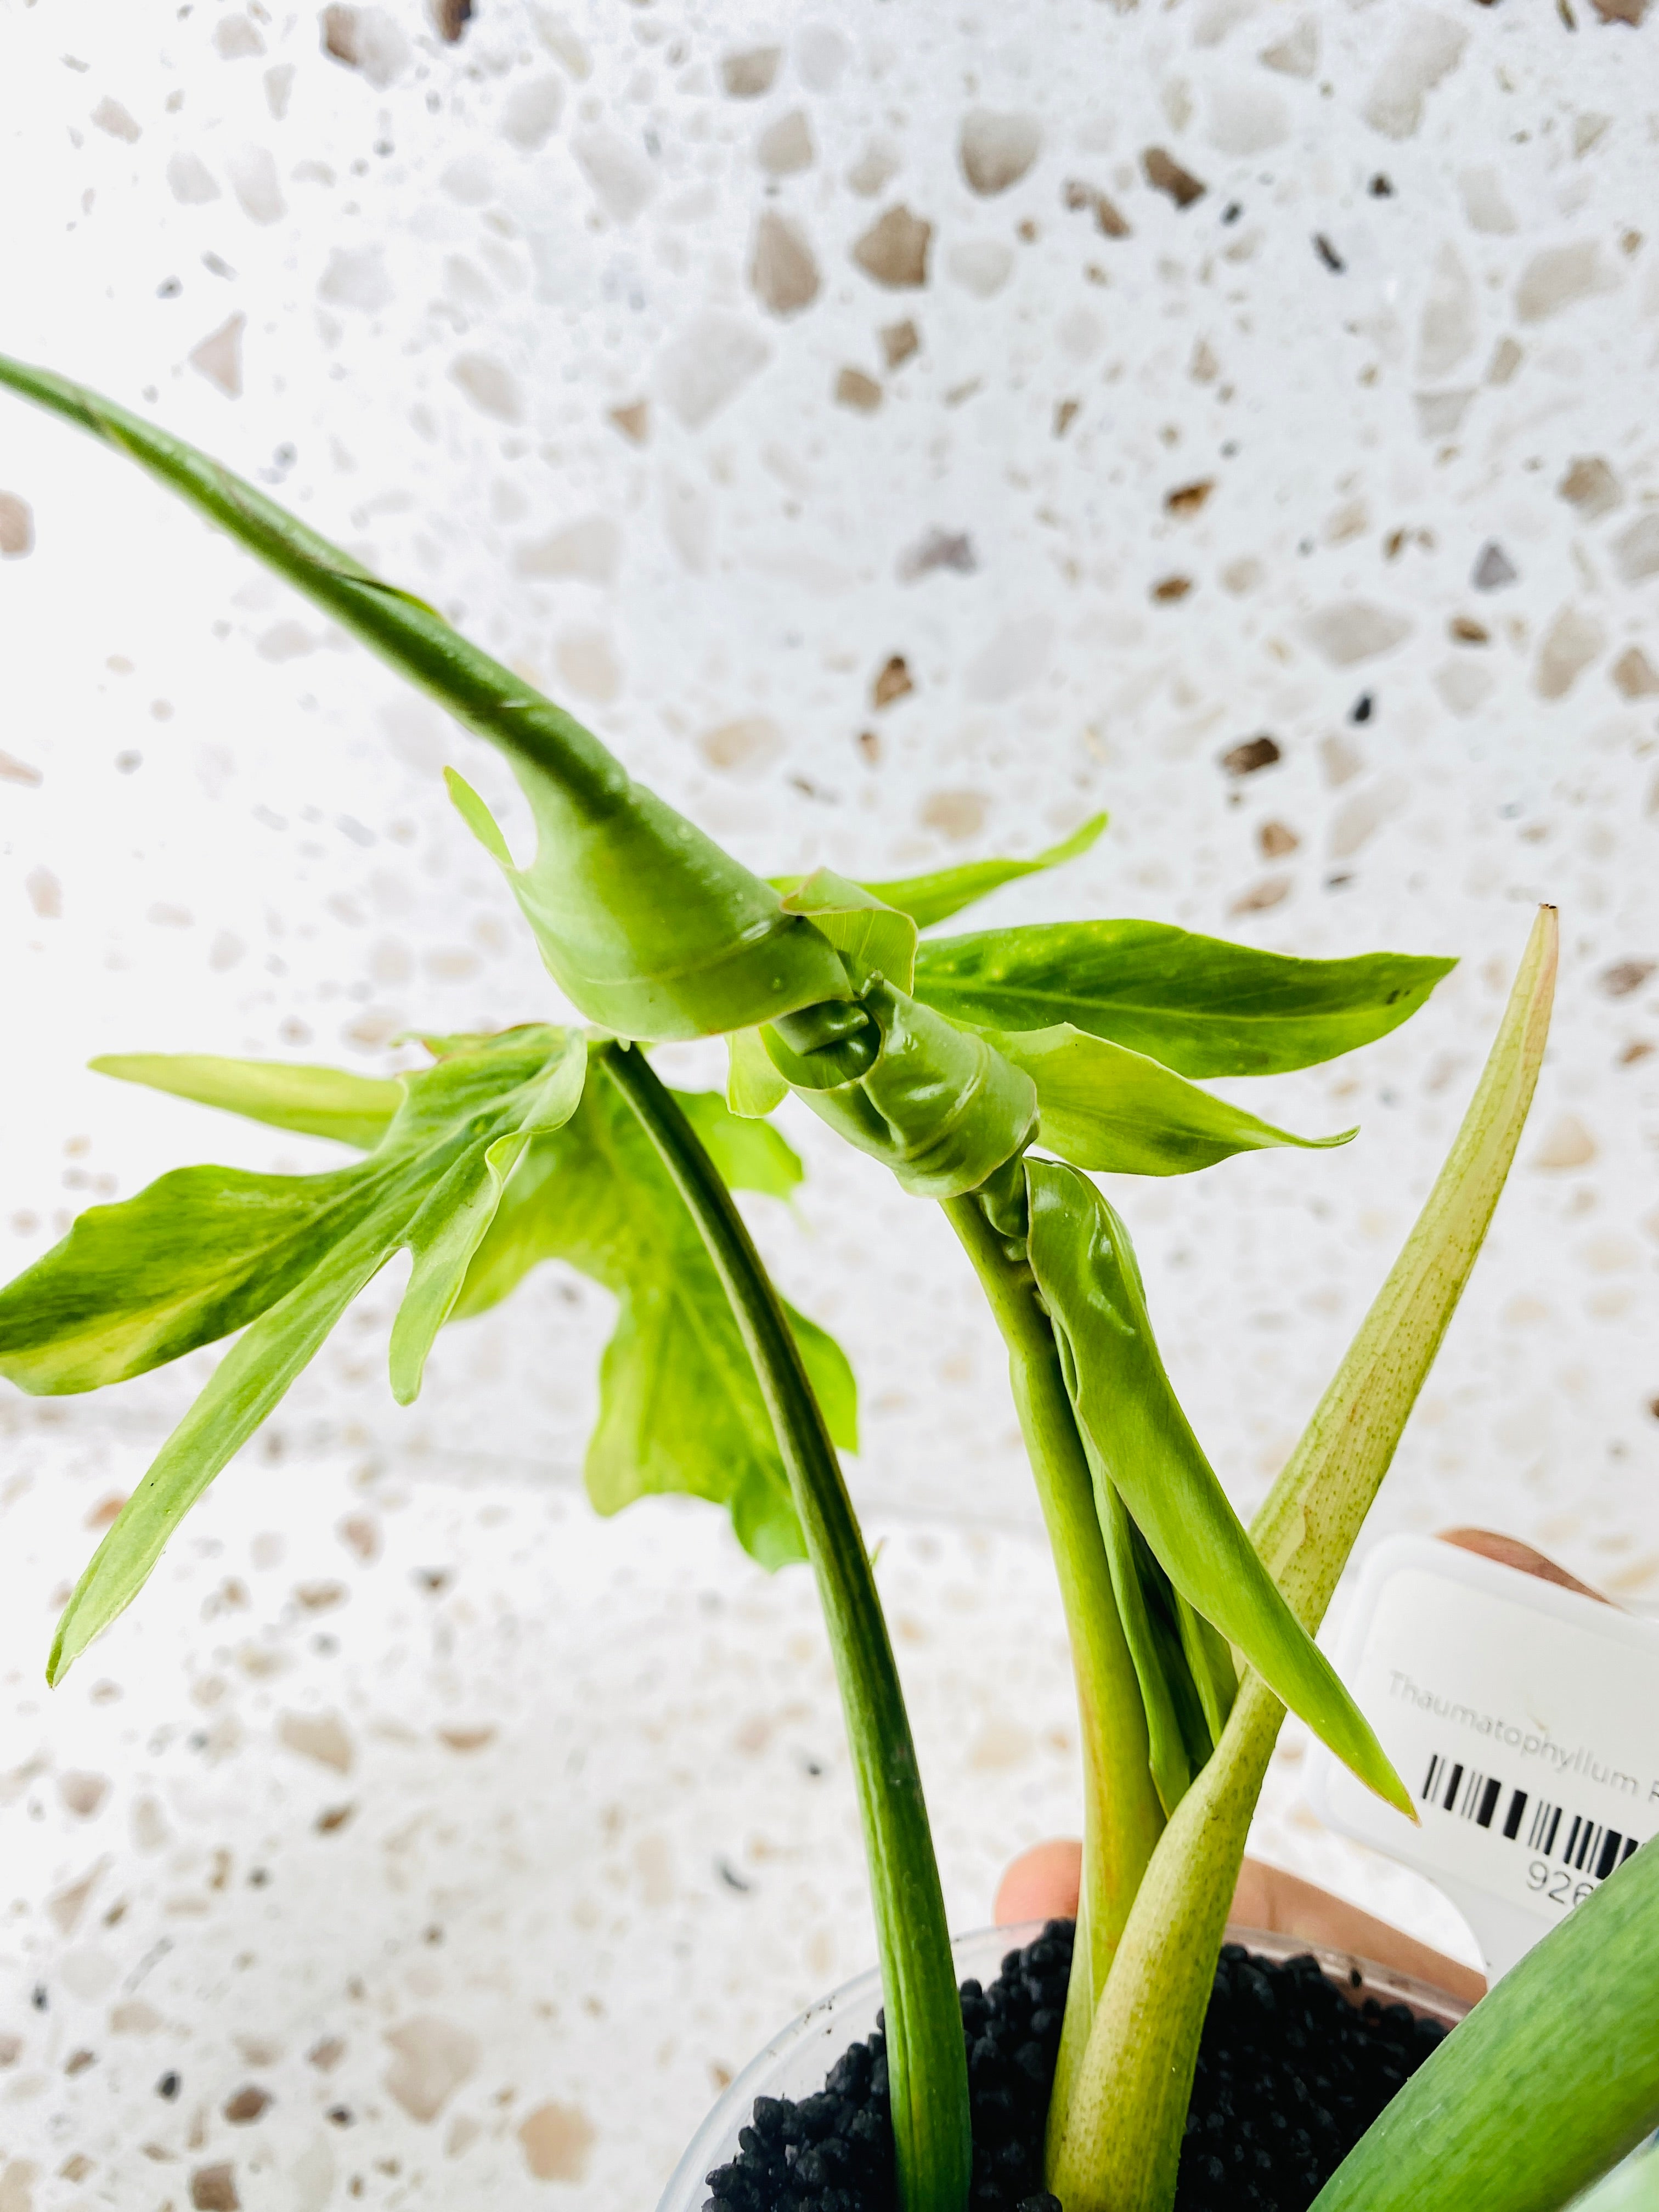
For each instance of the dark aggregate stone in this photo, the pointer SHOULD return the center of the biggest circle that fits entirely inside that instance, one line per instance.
(1290, 2076)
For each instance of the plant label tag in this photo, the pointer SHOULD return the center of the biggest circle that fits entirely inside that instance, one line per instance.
(1524, 1719)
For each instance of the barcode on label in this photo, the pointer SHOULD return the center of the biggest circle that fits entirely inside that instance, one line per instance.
(1571, 1839)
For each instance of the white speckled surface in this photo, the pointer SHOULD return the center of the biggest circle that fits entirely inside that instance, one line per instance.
(220, 828)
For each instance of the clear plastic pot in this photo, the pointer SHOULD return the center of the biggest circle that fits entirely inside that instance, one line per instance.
(795, 2062)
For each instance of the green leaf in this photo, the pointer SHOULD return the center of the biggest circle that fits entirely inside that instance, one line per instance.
(939, 1106)
(751, 1155)
(935, 897)
(1552, 2078)
(1123, 2141)
(1102, 1106)
(209, 1251)
(648, 927)
(1139, 1442)
(313, 1101)
(753, 1087)
(1198, 1003)
(680, 1408)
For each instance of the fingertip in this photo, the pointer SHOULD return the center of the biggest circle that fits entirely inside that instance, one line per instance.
(1041, 1884)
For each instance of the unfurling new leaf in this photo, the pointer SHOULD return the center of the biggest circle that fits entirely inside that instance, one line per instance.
(938, 1104)
(1198, 1003)
(1139, 1442)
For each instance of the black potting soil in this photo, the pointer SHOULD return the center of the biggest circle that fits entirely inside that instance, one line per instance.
(1290, 2076)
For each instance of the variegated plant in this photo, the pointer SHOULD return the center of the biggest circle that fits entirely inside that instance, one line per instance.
(991, 1072)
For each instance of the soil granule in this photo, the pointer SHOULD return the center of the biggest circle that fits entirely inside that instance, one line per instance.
(1290, 2076)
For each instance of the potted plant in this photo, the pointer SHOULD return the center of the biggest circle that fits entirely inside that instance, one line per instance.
(991, 1072)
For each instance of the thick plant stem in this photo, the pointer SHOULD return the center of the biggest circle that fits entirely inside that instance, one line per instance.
(927, 2061)
(1122, 2143)
(1122, 1819)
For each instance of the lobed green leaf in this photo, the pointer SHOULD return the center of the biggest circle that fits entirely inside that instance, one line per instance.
(1199, 1005)
(680, 1409)
(313, 1101)
(209, 1251)
(1139, 1442)
(1104, 1108)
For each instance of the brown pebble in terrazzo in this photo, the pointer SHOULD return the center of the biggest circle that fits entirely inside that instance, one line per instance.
(1169, 589)
(366, 40)
(451, 18)
(1463, 630)
(432, 2057)
(997, 150)
(1636, 550)
(1571, 643)
(321, 1736)
(1271, 891)
(1065, 415)
(1276, 839)
(247, 2105)
(11, 2049)
(1109, 220)
(13, 770)
(1257, 752)
(1591, 486)
(784, 148)
(326, 2053)
(1164, 174)
(82, 1794)
(782, 272)
(329, 1822)
(956, 814)
(78, 2060)
(855, 390)
(213, 2189)
(870, 745)
(748, 75)
(1626, 976)
(1188, 499)
(466, 1739)
(320, 1597)
(1634, 674)
(892, 683)
(894, 250)
(899, 341)
(16, 526)
(361, 1533)
(557, 2141)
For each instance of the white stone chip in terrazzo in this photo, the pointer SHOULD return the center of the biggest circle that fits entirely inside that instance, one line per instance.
(706, 364)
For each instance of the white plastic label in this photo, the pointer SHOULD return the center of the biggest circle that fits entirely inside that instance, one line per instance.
(1522, 1717)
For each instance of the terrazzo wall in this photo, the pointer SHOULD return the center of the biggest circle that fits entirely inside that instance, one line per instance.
(901, 432)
